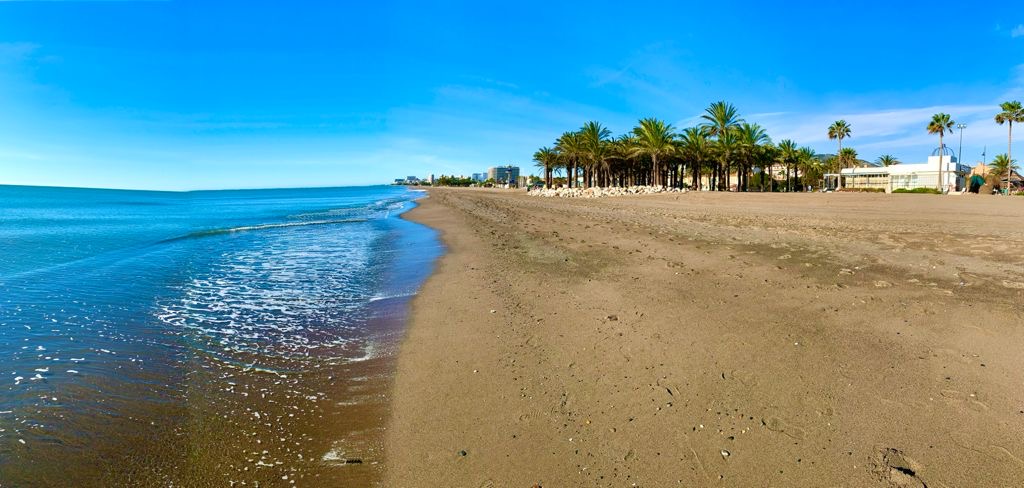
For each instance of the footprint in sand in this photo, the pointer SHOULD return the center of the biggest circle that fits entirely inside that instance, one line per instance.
(745, 377)
(776, 424)
(994, 451)
(971, 400)
(898, 469)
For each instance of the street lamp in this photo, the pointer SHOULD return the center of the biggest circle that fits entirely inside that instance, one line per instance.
(960, 151)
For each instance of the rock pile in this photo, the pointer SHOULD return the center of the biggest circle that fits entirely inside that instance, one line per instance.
(564, 192)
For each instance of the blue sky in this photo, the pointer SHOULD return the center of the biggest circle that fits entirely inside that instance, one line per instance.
(198, 95)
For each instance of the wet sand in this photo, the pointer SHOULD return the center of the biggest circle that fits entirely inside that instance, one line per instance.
(715, 340)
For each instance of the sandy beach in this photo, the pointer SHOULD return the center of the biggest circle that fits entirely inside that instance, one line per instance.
(714, 339)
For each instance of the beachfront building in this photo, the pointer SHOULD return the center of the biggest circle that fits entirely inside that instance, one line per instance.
(479, 177)
(503, 174)
(903, 176)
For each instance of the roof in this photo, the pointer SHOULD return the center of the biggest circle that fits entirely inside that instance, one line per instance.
(906, 169)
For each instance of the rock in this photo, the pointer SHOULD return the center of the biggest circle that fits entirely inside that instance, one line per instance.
(596, 192)
(612, 318)
(726, 453)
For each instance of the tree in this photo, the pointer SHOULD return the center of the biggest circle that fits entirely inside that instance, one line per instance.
(788, 155)
(848, 157)
(839, 130)
(655, 139)
(595, 138)
(1002, 164)
(887, 160)
(570, 147)
(941, 124)
(695, 148)
(722, 118)
(546, 159)
(623, 154)
(751, 138)
(1012, 112)
(810, 165)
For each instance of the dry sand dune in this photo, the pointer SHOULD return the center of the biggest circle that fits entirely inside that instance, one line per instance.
(715, 340)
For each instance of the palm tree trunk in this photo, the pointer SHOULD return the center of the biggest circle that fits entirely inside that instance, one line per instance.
(654, 168)
(942, 150)
(839, 178)
(1009, 157)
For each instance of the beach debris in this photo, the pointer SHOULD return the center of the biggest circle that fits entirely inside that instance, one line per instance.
(726, 453)
(494, 311)
(612, 318)
(463, 453)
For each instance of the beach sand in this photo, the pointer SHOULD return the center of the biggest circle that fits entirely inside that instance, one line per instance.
(709, 339)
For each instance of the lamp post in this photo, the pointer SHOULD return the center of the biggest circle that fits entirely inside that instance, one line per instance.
(960, 150)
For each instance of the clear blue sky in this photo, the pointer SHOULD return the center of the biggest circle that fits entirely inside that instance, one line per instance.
(200, 94)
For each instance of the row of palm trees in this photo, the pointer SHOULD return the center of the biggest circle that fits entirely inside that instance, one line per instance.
(654, 153)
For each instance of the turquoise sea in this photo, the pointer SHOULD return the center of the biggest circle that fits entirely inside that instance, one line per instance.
(175, 339)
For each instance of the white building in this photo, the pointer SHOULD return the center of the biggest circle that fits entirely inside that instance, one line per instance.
(904, 176)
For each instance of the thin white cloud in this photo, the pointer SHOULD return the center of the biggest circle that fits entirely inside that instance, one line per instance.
(1017, 31)
(14, 52)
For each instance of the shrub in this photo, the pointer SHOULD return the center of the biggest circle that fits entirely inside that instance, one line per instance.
(929, 191)
(863, 190)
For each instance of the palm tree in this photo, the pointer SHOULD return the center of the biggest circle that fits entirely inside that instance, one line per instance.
(726, 145)
(655, 139)
(751, 138)
(839, 130)
(546, 159)
(1012, 112)
(595, 139)
(621, 152)
(941, 124)
(570, 147)
(788, 156)
(695, 148)
(809, 164)
(847, 158)
(1003, 164)
(721, 119)
(887, 160)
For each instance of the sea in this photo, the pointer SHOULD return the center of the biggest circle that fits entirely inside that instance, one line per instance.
(208, 338)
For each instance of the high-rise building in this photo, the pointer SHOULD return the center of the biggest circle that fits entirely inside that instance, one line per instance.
(503, 174)
(479, 177)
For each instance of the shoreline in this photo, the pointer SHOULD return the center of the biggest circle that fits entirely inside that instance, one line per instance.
(712, 340)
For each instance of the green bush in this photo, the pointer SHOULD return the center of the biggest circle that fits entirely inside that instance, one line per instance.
(929, 191)
(863, 190)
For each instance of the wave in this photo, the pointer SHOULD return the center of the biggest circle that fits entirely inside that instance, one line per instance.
(250, 228)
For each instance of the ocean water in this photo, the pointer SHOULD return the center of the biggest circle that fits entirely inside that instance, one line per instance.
(185, 339)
